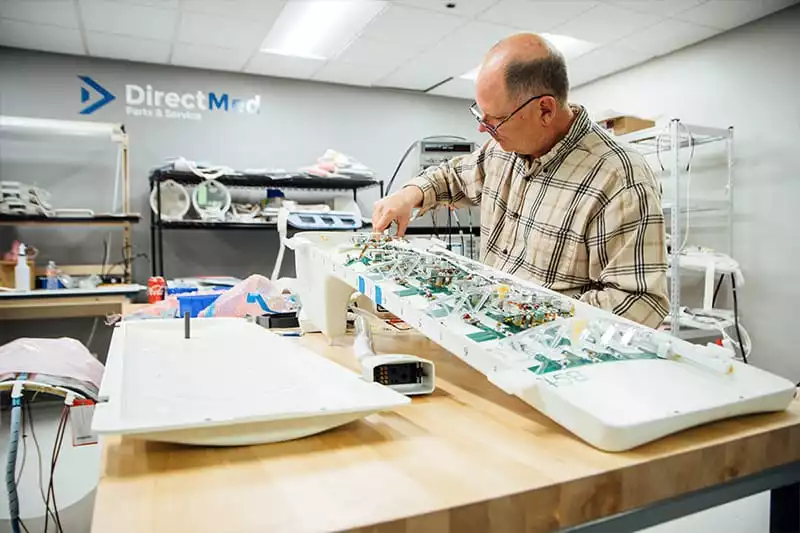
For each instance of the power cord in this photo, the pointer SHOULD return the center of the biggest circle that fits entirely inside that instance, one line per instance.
(736, 318)
(408, 151)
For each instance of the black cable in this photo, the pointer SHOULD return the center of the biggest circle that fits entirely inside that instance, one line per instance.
(21, 523)
(24, 448)
(461, 234)
(736, 317)
(27, 406)
(716, 290)
(450, 228)
(53, 460)
(408, 151)
(471, 236)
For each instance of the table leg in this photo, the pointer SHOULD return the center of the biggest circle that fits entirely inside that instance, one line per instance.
(784, 509)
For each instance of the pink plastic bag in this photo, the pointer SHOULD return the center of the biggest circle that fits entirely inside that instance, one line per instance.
(62, 357)
(255, 296)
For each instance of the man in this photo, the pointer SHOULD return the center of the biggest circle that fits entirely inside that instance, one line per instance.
(562, 203)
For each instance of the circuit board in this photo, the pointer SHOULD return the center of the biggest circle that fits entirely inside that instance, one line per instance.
(614, 383)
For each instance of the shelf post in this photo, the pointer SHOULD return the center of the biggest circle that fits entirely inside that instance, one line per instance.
(729, 146)
(675, 229)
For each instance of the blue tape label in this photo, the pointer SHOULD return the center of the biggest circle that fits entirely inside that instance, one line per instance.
(361, 285)
(378, 295)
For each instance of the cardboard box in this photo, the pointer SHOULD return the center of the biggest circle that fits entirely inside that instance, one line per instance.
(626, 124)
(7, 273)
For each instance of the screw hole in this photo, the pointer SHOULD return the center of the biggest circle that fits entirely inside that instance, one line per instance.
(450, 5)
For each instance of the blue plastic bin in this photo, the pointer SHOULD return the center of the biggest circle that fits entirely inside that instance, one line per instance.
(194, 303)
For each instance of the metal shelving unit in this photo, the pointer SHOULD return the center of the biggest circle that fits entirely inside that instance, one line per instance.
(671, 141)
(248, 181)
(112, 132)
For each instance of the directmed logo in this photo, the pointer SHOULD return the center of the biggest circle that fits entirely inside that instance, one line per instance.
(90, 91)
(147, 101)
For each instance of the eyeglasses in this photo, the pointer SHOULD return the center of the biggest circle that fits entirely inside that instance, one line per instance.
(478, 114)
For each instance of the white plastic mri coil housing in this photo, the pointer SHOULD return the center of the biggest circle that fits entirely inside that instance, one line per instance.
(174, 200)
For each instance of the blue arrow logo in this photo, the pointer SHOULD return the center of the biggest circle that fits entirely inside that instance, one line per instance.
(99, 90)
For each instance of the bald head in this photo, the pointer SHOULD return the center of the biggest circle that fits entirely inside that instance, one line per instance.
(525, 65)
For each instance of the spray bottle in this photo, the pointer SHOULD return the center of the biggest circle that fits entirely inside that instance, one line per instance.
(22, 272)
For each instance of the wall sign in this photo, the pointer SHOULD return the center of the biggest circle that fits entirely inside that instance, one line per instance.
(152, 102)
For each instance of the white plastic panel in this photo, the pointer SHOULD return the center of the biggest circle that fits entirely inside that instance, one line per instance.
(664, 384)
(231, 383)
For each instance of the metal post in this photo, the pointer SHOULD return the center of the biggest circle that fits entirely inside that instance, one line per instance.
(127, 247)
(675, 229)
(729, 145)
(160, 230)
(784, 509)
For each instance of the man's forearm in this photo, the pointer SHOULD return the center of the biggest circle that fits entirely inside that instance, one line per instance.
(647, 308)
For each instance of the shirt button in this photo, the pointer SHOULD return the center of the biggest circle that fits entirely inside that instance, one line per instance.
(514, 215)
(505, 251)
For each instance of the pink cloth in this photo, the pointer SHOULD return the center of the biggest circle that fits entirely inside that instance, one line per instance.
(63, 357)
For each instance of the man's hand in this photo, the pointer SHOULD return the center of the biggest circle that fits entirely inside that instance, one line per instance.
(396, 208)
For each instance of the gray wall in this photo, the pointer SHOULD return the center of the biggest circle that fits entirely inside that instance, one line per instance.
(748, 78)
(298, 122)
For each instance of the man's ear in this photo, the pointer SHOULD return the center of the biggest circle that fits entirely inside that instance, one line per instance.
(547, 108)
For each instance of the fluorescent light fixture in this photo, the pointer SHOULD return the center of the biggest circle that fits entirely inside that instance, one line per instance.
(570, 47)
(319, 29)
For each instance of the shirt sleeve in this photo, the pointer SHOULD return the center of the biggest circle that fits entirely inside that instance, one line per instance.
(457, 182)
(628, 257)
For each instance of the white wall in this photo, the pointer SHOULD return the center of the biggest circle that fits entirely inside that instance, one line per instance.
(748, 78)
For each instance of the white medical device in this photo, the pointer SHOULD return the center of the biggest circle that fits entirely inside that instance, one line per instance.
(612, 382)
(406, 374)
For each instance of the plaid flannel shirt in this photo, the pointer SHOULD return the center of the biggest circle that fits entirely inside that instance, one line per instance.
(584, 219)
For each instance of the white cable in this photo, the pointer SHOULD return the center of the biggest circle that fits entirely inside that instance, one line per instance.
(283, 229)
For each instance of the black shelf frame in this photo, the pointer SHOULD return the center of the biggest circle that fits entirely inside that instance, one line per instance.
(265, 181)
(98, 220)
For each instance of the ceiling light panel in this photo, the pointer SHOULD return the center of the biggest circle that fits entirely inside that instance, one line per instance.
(319, 29)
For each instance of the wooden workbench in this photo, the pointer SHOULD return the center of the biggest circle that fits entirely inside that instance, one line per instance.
(468, 458)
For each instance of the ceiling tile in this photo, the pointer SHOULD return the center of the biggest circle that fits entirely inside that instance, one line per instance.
(283, 66)
(262, 11)
(664, 8)
(415, 75)
(374, 51)
(603, 61)
(407, 24)
(463, 8)
(454, 55)
(127, 48)
(727, 14)
(457, 88)
(55, 13)
(209, 57)
(605, 23)
(667, 36)
(128, 19)
(163, 4)
(537, 15)
(38, 37)
(348, 73)
(197, 28)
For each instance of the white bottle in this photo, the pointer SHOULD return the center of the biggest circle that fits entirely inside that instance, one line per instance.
(52, 276)
(22, 272)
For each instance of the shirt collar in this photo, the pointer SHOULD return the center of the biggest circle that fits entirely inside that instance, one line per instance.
(581, 125)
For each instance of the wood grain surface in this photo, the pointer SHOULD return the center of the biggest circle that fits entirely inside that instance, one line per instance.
(468, 458)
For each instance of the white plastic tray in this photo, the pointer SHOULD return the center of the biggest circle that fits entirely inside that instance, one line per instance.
(231, 383)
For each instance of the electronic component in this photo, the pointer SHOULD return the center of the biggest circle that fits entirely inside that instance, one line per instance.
(406, 374)
(328, 220)
(432, 153)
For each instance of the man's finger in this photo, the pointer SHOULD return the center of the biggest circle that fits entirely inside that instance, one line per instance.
(402, 224)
